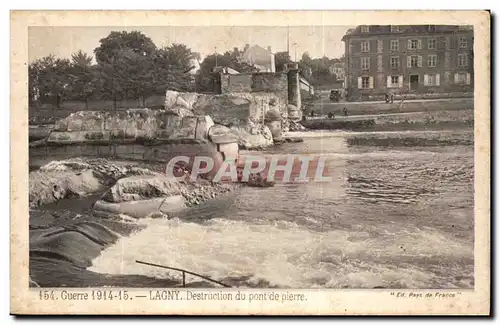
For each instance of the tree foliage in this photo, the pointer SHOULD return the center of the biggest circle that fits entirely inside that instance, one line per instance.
(117, 45)
(125, 60)
(280, 59)
(83, 77)
(172, 68)
(318, 70)
(49, 79)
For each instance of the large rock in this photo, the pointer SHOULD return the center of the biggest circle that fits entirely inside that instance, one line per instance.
(273, 121)
(161, 187)
(180, 104)
(142, 208)
(221, 134)
(143, 187)
(75, 178)
(51, 186)
(253, 136)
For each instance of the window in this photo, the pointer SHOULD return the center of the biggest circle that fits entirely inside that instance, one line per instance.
(394, 28)
(365, 63)
(413, 44)
(365, 82)
(365, 29)
(432, 80)
(463, 42)
(431, 44)
(462, 78)
(413, 61)
(432, 61)
(395, 62)
(394, 45)
(394, 81)
(462, 60)
(365, 46)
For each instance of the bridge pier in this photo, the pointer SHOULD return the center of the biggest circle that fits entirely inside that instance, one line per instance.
(294, 85)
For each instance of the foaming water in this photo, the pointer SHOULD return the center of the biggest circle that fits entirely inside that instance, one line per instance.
(392, 217)
(280, 253)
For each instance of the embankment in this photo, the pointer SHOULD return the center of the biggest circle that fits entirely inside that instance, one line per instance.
(324, 107)
(433, 120)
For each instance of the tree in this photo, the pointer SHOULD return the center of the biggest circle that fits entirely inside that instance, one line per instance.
(280, 59)
(317, 70)
(172, 68)
(306, 59)
(81, 59)
(125, 65)
(49, 79)
(83, 76)
(114, 46)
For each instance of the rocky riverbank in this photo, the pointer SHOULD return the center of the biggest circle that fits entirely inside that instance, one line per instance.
(78, 207)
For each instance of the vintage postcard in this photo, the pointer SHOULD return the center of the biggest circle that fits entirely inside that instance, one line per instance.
(250, 162)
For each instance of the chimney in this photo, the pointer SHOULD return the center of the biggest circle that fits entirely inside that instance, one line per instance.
(269, 49)
(235, 50)
(247, 46)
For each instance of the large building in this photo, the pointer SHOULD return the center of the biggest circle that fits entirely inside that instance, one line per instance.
(259, 57)
(410, 59)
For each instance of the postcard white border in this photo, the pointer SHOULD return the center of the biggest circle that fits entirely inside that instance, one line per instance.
(320, 302)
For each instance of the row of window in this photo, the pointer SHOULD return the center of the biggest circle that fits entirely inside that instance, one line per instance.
(395, 28)
(429, 80)
(414, 44)
(416, 61)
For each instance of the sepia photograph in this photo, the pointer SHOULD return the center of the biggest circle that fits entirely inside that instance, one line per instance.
(187, 158)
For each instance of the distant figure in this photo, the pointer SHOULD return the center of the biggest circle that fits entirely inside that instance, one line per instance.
(392, 98)
(331, 116)
(345, 111)
(312, 113)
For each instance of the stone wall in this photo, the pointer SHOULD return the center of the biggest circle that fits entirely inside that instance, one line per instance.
(255, 82)
(261, 86)
(236, 83)
(139, 134)
(130, 126)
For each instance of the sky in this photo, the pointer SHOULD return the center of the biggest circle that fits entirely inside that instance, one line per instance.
(317, 40)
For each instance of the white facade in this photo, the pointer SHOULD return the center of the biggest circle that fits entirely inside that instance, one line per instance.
(259, 57)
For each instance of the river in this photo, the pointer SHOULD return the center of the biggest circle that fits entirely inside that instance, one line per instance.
(397, 214)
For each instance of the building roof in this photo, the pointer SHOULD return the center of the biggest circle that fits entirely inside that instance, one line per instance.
(407, 29)
(224, 69)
